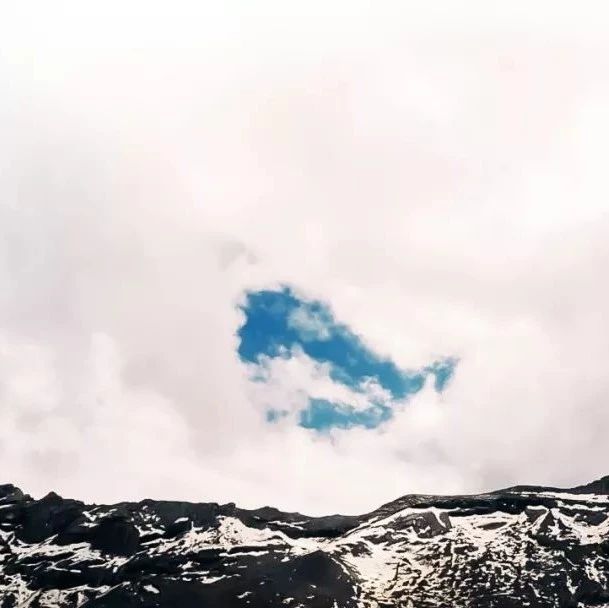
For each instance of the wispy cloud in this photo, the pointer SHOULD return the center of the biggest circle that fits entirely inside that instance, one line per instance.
(345, 382)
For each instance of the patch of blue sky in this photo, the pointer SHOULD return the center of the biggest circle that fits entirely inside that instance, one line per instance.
(277, 322)
(323, 415)
(443, 371)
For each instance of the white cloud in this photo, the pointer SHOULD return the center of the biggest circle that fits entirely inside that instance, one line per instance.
(289, 381)
(436, 176)
(309, 324)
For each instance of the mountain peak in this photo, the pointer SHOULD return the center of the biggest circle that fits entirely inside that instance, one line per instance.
(599, 486)
(524, 546)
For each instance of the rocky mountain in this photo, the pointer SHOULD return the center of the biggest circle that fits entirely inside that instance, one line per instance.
(520, 547)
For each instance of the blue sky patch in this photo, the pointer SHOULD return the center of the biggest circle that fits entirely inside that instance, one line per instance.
(322, 415)
(277, 322)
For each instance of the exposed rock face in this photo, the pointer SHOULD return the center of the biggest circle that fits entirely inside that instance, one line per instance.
(523, 546)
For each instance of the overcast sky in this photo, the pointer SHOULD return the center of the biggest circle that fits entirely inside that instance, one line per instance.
(437, 178)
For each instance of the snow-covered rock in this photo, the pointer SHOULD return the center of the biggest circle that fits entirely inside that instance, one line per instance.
(523, 546)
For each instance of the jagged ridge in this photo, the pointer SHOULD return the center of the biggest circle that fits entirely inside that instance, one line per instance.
(521, 546)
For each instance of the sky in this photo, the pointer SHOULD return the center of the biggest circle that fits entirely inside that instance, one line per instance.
(315, 256)
(281, 328)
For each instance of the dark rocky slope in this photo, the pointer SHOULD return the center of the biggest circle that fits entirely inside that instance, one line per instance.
(522, 546)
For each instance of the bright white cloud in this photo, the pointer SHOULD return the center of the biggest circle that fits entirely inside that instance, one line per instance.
(287, 383)
(309, 324)
(436, 176)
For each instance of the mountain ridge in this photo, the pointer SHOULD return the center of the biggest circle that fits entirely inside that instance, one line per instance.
(520, 546)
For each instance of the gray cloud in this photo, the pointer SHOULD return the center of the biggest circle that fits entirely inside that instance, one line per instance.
(445, 193)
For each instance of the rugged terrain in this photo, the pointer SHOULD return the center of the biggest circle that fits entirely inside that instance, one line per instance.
(520, 547)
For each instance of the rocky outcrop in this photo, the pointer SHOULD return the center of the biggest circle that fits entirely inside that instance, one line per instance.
(522, 546)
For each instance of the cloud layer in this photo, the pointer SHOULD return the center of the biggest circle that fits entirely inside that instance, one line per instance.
(438, 179)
